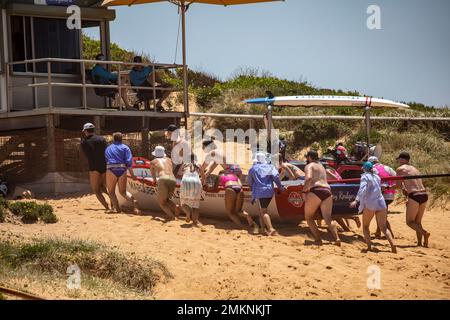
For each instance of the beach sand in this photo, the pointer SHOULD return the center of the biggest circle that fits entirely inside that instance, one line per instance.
(223, 263)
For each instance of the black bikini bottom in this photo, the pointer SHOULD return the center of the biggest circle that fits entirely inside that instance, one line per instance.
(419, 197)
(321, 192)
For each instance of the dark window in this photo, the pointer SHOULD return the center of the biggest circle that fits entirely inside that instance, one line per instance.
(52, 39)
(21, 42)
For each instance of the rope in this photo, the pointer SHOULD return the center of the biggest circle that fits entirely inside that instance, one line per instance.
(178, 38)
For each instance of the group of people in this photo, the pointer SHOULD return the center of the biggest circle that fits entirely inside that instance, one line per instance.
(109, 165)
(140, 76)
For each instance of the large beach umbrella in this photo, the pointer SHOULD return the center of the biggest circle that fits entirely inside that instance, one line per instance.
(183, 5)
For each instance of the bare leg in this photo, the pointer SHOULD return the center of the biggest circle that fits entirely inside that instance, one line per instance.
(125, 98)
(167, 206)
(381, 217)
(268, 222)
(230, 205)
(312, 203)
(96, 181)
(418, 220)
(164, 96)
(367, 218)
(412, 210)
(187, 211)
(343, 224)
(326, 208)
(122, 184)
(111, 182)
(195, 217)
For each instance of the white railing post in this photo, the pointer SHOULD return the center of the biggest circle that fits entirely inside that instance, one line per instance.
(119, 84)
(154, 87)
(49, 83)
(83, 79)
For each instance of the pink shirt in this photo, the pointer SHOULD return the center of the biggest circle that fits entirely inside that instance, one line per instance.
(226, 178)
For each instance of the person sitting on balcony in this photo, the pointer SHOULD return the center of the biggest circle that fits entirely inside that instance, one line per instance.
(141, 76)
(100, 75)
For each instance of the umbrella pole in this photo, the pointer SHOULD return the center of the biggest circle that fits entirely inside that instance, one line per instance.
(185, 71)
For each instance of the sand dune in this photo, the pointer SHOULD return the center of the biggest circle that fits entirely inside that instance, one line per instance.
(222, 263)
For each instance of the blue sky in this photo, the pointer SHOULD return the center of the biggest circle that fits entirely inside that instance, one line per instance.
(325, 42)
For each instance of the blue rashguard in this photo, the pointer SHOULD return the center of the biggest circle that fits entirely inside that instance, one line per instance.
(261, 178)
(139, 77)
(118, 153)
(102, 75)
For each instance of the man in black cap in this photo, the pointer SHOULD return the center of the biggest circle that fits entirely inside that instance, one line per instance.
(93, 147)
(317, 194)
(417, 198)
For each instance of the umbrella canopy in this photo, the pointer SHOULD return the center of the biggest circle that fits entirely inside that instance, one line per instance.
(218, 2)
(183, 5)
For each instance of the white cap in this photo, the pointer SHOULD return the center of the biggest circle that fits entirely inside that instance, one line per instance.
(159, 152)
(373, 159)
(261, 157)
(88, 126)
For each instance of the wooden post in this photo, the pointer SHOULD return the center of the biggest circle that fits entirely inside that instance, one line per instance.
(145, 144)
(51, 148)
(98, 125)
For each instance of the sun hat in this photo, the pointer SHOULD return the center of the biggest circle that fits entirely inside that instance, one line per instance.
(261, 157)
(159, 152)
(373, 159)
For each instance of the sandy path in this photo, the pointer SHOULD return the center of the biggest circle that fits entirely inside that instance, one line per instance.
(222, 263)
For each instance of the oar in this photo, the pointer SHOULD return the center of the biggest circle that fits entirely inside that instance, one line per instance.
(396, 178)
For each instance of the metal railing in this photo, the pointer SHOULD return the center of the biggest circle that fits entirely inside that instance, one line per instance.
(84, 85)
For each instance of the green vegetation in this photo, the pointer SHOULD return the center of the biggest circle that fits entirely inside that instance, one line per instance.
(31, 212)
(3, 207)
(53, 256)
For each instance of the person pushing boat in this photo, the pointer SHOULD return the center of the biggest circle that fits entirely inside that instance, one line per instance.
(317, 194)
(165, 181)
(371, 203)
(417, 198)
(118, 160)
(94, 147)
(261, 178)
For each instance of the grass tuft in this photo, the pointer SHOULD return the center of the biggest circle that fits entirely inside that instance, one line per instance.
(55, 255)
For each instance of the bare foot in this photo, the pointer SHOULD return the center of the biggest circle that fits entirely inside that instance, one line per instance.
(338, 242)
(137, 212)
(273, 233)
(394, 249)
(425, 239)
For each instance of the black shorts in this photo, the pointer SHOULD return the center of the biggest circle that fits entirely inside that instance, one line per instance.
(264, 202)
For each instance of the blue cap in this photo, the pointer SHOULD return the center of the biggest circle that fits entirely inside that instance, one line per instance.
(368, 165)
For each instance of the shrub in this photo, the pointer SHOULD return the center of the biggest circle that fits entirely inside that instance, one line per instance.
(46, 213)
(31, 211)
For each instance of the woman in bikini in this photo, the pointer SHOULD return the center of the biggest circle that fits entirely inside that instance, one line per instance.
(371, 203)
(118, 161)
(234, 197)
(317, 195)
